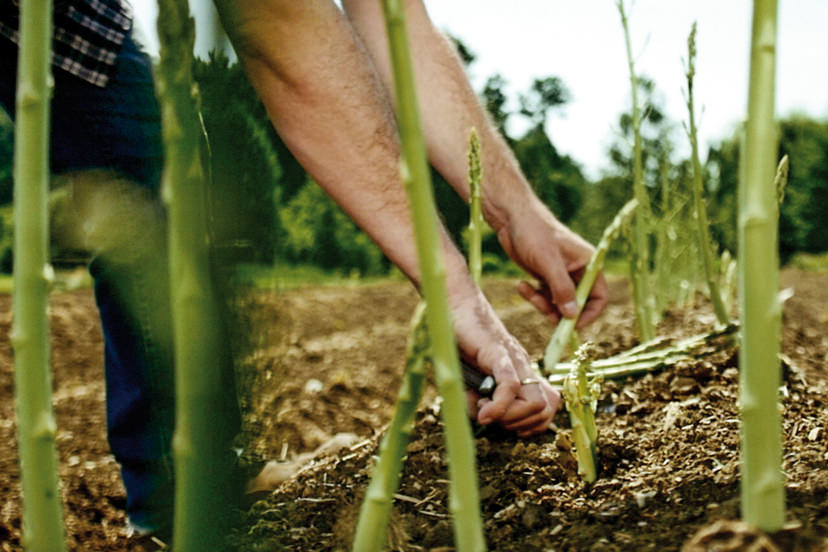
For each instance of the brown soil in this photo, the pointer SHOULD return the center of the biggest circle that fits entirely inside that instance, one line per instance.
(328, 360)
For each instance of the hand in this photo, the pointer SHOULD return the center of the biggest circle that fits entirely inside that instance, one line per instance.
(524, 418)
(527, 409)
(556, 256)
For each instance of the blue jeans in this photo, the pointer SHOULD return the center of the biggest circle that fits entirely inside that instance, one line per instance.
(118, 128)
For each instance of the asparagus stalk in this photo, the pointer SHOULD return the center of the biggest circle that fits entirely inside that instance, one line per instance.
(42, 516)
(464, 500)
(699, 208)
(672, 253)
(646, 358)
(644, 311)
(199, 345)
(728, 278)
(780, 182)
(663, 241)
(566, 326)
(581, 400)
(475, 213)
(376, 507)
(762, 485)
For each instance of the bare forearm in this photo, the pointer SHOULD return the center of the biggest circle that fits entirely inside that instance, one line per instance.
(449, 109)
(326, 100)
(529, 233)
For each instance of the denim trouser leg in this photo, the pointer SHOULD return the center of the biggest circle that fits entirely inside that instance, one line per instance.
(118, 128)
(140, 389)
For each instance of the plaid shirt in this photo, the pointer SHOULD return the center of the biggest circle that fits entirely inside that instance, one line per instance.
(87, 35)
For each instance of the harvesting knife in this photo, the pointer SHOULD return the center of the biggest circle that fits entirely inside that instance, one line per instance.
(477, 381)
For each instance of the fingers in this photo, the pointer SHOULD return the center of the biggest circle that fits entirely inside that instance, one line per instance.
(523, 424)
(533, 410)
(525, 410)
(560, 283)
(540, 300)
(596, 303)
(542, 427)
(505, 393)
(533, 296)
(542, 401)
(523, 414)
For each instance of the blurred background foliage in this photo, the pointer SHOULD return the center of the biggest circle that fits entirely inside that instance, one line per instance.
(264, 209)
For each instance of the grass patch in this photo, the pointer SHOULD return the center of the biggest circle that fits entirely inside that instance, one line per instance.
(289, 276)
(65, 280)
(810, 261)
(6, 285)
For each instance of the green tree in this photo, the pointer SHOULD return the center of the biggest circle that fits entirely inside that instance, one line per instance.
(451, 208)
(494, 98)
(723, 169)
(544, 95)
(6, 155)
(245, 159)
(467, 56)
(557, 179)
(804, 216)
(600, 201)
(804, 211)
(6, 192)
(656, 133)
(316, 231)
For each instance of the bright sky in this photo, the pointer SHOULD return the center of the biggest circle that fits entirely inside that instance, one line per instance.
(581, 41)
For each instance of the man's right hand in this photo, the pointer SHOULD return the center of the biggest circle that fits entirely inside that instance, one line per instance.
(556, 256)
(528, 407)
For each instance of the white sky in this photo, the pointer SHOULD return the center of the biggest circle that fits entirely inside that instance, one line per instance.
(581, 41)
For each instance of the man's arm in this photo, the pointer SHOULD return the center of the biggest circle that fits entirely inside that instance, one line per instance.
(325, 98)
(529, 233)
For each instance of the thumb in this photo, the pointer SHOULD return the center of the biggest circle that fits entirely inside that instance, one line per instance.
(560, 284)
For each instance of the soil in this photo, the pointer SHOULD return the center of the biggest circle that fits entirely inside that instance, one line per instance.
(327, 360)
